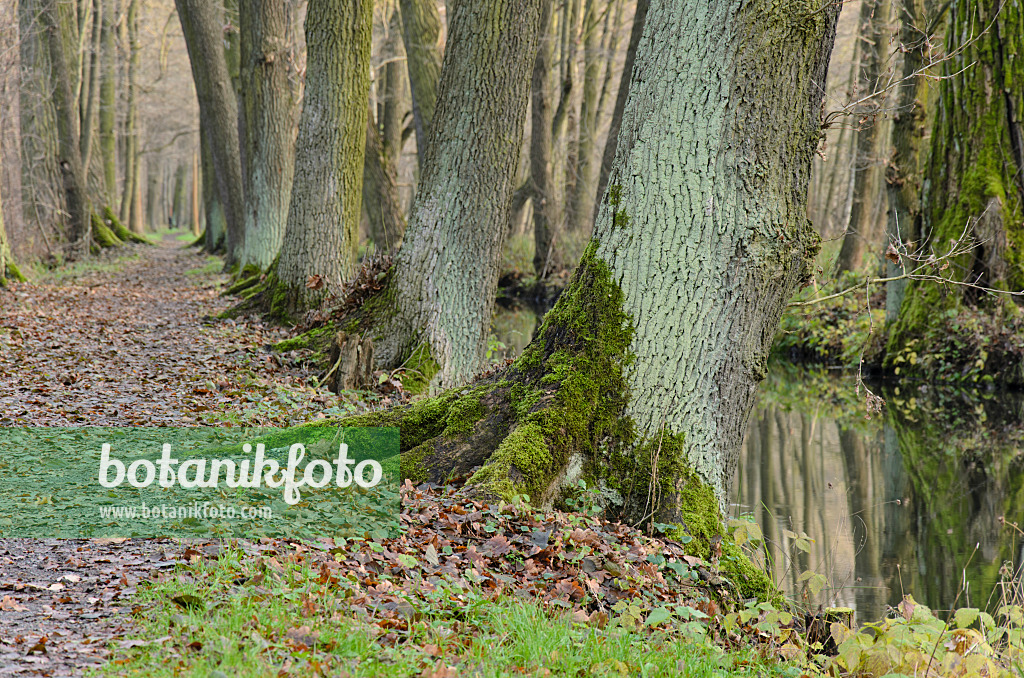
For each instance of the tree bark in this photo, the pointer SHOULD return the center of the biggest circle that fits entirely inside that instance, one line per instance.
(270, 103)
(88, 101)
(975, 173)
(639, 16)
(323, 219)
(216, 227)
(861, 234)
(421, 28)
(446, 274)
(642, 377)
(131, 196)
(201, 23)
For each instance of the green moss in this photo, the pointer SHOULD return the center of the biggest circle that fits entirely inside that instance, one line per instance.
(317, 340)
(122, 233)
(464, 412)
(411, 465)
(418, 370)
(102, 235)
(577, 359)
(10, 272)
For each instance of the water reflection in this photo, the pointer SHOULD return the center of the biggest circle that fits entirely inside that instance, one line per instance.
(895, 503)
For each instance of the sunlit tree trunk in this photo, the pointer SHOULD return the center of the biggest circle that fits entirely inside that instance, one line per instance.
(446, 273)
(131, 197)
(202, 24)
(581, 210)
(422, 29)
(323, 219)
(270, 103)
(975, 174)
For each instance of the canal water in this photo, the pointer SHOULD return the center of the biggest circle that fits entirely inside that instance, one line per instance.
(919, 499)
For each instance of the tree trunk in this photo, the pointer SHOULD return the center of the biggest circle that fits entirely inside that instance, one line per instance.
(446, 274)
(216, 227)
(54, 19)
(270, 104)
(108, 99)
(201, 23)
(397, 95)
(130, 197)
(641, 378)
(581, 209)
(860, 231)
(87, 106)
(546, 257)
(639, 17)
(8, 269)
(903, 173)
(421, 25)
(380, 193)
(975, 173)
(42, 199)
(323, 219)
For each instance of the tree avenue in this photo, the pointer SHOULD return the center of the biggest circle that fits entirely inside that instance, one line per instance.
(641, 379)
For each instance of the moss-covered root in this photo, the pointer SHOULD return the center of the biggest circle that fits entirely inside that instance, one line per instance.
(102, 235)
(119, 229)
(9, 272)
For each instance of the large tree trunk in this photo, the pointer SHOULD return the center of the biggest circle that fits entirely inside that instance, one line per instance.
(446, 273)
(642, 377)
(861, 234)
(55, 21)
(975, 173)
(422, 29)
(270, 105)
(88, 99)
(323, 219)
(202, 23)
(8, 269)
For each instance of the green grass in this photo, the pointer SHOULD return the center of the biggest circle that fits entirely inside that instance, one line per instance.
(111, 261)
(212, 266)
(290, 621)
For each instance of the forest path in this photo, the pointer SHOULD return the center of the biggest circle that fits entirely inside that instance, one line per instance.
(127, 339)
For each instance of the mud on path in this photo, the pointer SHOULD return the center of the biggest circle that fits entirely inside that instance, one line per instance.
(130, 341)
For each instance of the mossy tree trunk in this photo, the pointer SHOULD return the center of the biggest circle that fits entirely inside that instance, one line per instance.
(580, 210)
(216, 227)
(861, 235)
(975, 173)
(270, 105)
(642, 377)
(446, 274)
(8, 269)
(421, 28)
(202, 23)
(321, 235)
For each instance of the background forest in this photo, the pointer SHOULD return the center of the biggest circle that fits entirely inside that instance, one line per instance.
(708, 314)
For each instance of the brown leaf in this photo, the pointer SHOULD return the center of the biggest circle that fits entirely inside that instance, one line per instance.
(9, 604)
(315, 281)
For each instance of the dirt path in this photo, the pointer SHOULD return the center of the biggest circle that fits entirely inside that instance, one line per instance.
(130, 342)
